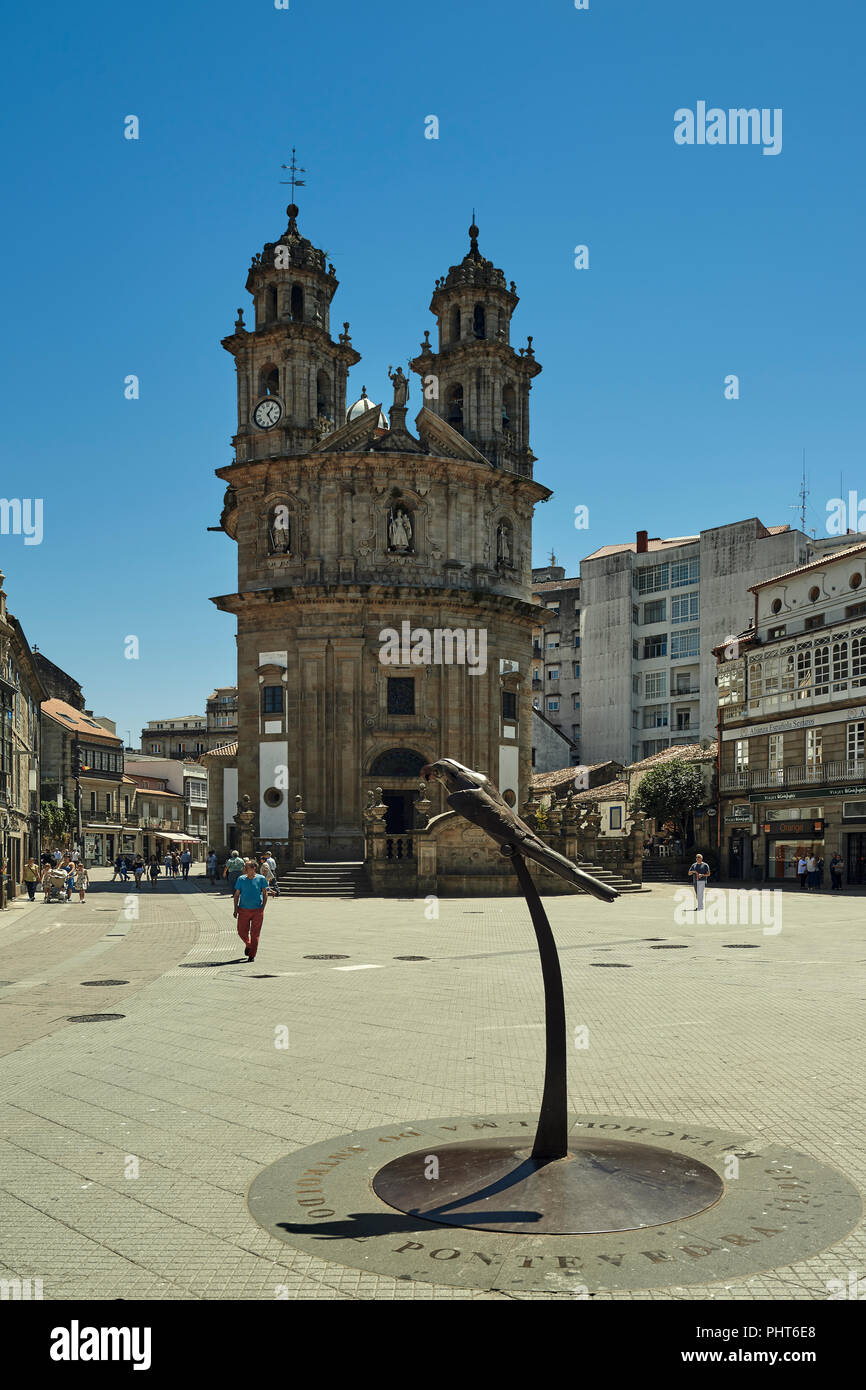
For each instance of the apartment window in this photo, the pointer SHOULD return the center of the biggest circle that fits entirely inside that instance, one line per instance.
(840, 661)
(654, 745)
(108, 803)
(635, 719)
(858, 660)
(657, 645)
(816, 620)
(855, 610)
(655, 717)
(685, 608)
(509, 704)
(553, 643)
(93, 801)
(575, 670)
(635, 685)
(272, 699)
(616, 818)
(741, 754)
(552, 706)
(553, 673)
(553, 608)
(635, 752)
(775, 756)
(856, 742)
(813, 749)
(822, 669)
(577, 639)
(575, 732)
(683, 719)
(650, 578)
(655, 612)
(777, 632)
(655, 685)
(575, 702)
(126, 805)
(685, 572)
(686, 643)
(401, 695)
(635, 614)
(804, 673)
(635, 650)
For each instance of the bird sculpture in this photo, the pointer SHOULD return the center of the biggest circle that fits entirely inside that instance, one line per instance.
(473, 796)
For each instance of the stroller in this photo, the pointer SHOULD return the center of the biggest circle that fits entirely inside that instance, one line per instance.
(56, 886)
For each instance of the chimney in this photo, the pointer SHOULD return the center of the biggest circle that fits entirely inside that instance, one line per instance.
(642, 542)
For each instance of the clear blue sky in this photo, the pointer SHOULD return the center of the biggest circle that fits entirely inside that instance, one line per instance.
(557, 126)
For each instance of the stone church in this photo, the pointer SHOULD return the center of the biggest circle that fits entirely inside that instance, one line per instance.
(384, 569)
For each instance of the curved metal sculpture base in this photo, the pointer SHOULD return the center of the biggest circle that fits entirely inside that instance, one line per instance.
(600, 1185)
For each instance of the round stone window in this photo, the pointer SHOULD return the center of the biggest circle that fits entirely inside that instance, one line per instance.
(273, 797)
(856, 580)
(813, 593)
(776, 605)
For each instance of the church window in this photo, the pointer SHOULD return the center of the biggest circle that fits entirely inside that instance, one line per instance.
(455, 325)
(455, 406)
(398, 762)
(401, 695)
(509, 407)
(272, 699)
(297, 303)
(271, 303)
(509, 704)
(323, 394)
(269, 380)
(478, 321)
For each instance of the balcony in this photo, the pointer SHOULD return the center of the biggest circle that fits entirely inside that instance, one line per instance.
(801, 776)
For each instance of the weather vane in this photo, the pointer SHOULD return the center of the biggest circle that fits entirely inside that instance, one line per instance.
(294, 169)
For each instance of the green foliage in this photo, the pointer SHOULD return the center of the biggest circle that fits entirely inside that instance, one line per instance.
(58, 822)
(669, 792)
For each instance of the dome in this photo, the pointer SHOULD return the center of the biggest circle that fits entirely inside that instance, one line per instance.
(361, 406)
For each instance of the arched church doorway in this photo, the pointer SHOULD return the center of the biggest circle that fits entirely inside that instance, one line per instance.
(392, 771)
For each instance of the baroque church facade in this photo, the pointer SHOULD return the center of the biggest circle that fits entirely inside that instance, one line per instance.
(384, 575)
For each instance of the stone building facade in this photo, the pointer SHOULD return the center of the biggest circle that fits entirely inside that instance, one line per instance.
(21, 693)
(792, 724)
(384, 580)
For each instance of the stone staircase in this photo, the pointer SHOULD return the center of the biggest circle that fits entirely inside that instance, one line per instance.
(323, 880)
(622, 885)
(664, 871)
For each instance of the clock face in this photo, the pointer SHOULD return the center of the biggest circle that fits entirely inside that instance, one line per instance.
(267, 413)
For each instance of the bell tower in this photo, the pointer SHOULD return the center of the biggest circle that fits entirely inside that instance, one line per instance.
(476, 381)
(291, 374)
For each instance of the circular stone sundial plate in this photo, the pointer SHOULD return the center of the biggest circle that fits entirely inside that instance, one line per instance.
(778, 1207)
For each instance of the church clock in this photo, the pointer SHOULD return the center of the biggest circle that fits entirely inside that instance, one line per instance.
(267, 413)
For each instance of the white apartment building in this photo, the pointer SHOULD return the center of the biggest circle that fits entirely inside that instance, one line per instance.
(652, 612)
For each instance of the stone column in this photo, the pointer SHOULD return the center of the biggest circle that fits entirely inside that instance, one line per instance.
(296, 835)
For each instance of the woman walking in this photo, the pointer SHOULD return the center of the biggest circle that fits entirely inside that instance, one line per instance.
(154, 870)
(30, 877)
(138, 871)
(212, 867)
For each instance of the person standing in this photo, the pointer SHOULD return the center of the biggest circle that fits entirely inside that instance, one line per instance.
(802, 870)
(812, 871)
(212, 867)
(836, 872)
(185, 861)
(233, 869)
(251, 896)
(699, 873)
(154, 870)
(138, 871)
(82, 880)
(167, 863)
(30, 877)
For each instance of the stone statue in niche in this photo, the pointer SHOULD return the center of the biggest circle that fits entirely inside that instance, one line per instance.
(503, 545)
(280, 531)
(399, 530)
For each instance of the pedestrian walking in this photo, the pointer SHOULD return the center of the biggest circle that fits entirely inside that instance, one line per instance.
(138, 871)
(69, 869)
(82, 881)
(154, 870)
(175, 864)
(820, 871)
(699, 873)
(251, 896)
(812, 872)
(836, 873)
(233, 869)
(212, 867)
(185, 861)
(802, 870)
(117, 867)
(30, 877)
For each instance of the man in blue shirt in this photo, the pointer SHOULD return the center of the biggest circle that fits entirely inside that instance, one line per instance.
(699, 873)
(251, 896)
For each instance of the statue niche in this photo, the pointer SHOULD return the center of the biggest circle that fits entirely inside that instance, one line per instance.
(504, 545)
(280, 530)
(400, 530)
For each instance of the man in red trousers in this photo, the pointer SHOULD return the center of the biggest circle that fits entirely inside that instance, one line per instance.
(251, 896)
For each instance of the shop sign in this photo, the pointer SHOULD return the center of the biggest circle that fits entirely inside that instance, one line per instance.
(794, 827)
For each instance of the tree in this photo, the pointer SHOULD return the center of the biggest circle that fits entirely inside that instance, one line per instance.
(58, 822)
(670, 792)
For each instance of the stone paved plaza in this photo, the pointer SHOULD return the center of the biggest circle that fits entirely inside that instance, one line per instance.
(192, 1090)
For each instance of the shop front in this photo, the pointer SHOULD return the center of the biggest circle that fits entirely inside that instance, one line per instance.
(789, 841)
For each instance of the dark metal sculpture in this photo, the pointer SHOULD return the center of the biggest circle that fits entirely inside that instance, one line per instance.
(473, 796)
